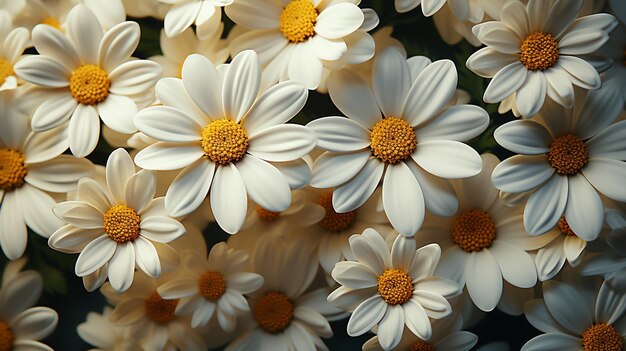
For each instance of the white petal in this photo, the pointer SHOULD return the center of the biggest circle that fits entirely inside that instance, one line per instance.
(354, 98)
(43, 71)
(560, 88)
(52, 43)
(84, 130)
(196, 71)
(552, 342)
(339, 134)
(80, 214)
(505, 82)
(524, 137)
(580, 71)
(95, 255)
(610, 305)
(561, 16)
(354, 275)
(600, 109)
(190, 188)
(435, 305)
(72, 239)
(568, 306)
(516, 265)
(13, 234)
(430, 7)
(281, 143)
(532, 94)
(549, 260)
(460, 123)
(608, 144)
(59, 175)
(35, 323)
(584, 211)
(120, 168)
(521, 173)
(606, 175)
(168, 124)
(146, 257)
(484, 280)
(85, 32)
(134, 77)
(117, 113)
(122, 267)
(366, 315)
(516, 17)
(417, 320)
(229, 199)
(168, 156)
(161, 229)
(498, 35)
(403, 199)
(264, 184)
(391, 81)
(250, 15)
(37, 210)
(296, 172)
(304, 66)
(241, 84)
(178, 288)
(439, 196)
(487, 61)
(118, 44)
(546, 205)
(171, 92)
(53, 112)
(447, 159)
(339, 20)
(330, 50)
(140, 190)
(354, 193)
(180, 17)
(390, 327)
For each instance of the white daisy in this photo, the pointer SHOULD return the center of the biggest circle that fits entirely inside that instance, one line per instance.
(226, 139)
(212, 288)
(205, 14)
(98, 331)
(21, 324)
(13, 42)
(392, 288)
(414, 145)
(484, 242)
(296, 39)
(576, 317)
(566, 158)
(115, 226)
(541, 49)
(31, 167)
(87, 76)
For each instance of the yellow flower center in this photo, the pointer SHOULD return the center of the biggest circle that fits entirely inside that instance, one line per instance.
(421, 346)
(12, 169)
(121, 223)
(602, 337)
(52, 22)
(395, 286)
(392, 140)
(6, 337)
(333, 221)
(224, 141)
(564, 226)
(297, 21)
(273, 312)
(473, 231)
(266, 215)
(539, 51)
(6, 70)
(568, 154)
(212, 285)
(89, 84)
(159, 310)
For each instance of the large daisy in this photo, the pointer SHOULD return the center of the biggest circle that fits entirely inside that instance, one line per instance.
(403, 132)
(13, 42)
(205, 14)
(566, 158)
(87, 76)
(392, 288)
(541, 49)
(226, 139)
(115, 226)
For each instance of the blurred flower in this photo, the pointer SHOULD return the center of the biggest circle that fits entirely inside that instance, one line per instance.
(104, 335)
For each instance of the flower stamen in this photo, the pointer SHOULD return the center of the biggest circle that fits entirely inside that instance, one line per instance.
(392, 140)
(602, 337)
(212, 285)
(473, 231)
(273, 312)
(568, 154)
(224, 141)
(89, 84)
(12, 169)
(6, 70)
(122, 224)
(7, 338)
(564, 226)
(267, 215)
(395, 286)
(333, 221)
(159, 310)
(421, 346)
(297, 21)
(539, 51)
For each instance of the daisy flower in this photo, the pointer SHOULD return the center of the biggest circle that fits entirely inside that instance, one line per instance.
(115, 226)
(566, 158)
(21, 324)
(31, 167)
(484, 242)
(541, 49)
(414, 145)
(393, 288)
(205, 14)
(296, 39)
(13, 42)
(575, 318)
(212, 288)
(226, 139)
(87, 76)
(99, 332)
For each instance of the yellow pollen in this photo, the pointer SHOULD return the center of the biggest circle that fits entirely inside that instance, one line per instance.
(333, 221)
(473, 231)
(159, 310)
(564, 227)
(421, 346)
(568, 154)
(539, 51)
(180, 70)
(266, 215)
(273, 312)
(89, 84)
(212, 285)
(395, 286)
(121, 223)
(52, 22)
(6, 70)
(12, 169)
(297, 21)
(392, 140)
(224, 141)
(602, 337)
(6, 337)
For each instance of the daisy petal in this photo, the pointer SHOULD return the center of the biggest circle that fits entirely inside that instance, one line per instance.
(484, 280)
(580, 71)
(196, 71)
(180, 17)
(171, 92)
(403, 199)
(118, 44)
(117, 113)
(229, 199)
(37, 210)
(79, 214)
(85, 32)
(439, 196)
(264, 184)
(354, 98)
(13, 233)
(516, 265)
(120, 168)
(146, 257)
(608, 143)
(35, 323)
(447, 159)
(42, 71)
(161, 229)
(552, 342)
(296, 172)
(95, 255)
(168, 156)
(521, 173)
(532, 94)
(568, 306)
(122, 267)
(241, 84)
(417, 320)
(190, 188)
(355, 192)
(391, 81)
(606, 176)
(459, 122)
(91, 192)
(338, 20)
(53, 112)
(134, 77)
(339, 134)
(140, 190)
(281, 143)
(168, 124)
(546, 205)
(524, 137)
(84, 130)
(584, 211)
(505, 82)
(52, 43)
(487, 61)
(390, 327)
(366, 315)
(59, 175)
(354, 275)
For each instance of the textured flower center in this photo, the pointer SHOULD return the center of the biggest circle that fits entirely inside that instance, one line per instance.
(421, 346)
(539, 51)
(568, 154)
(89, 84)
(333, 221)
(224, 141)
(602, 337)
(266, 215)
(273, 312)
(12, 169)
(395, 286)
(6, 70)
(297, 21)
(160, 310)
(121, 223)
(6, 337)
(473, 230)
(212, 285)
(52, 22)
(392, 140)
(564, 227)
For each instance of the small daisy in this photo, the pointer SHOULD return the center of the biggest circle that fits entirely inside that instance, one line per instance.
(566, 158)
(297, 39)
(392, 288)
(414, 145)
(205, 14)
(484, 242)
(575, 318)
(13, 42)
(21, 324)
(541, 49)
(98, 331)
(226, 139)
(115, 226)
(87, 76)
(31, 167)
(213, 287)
